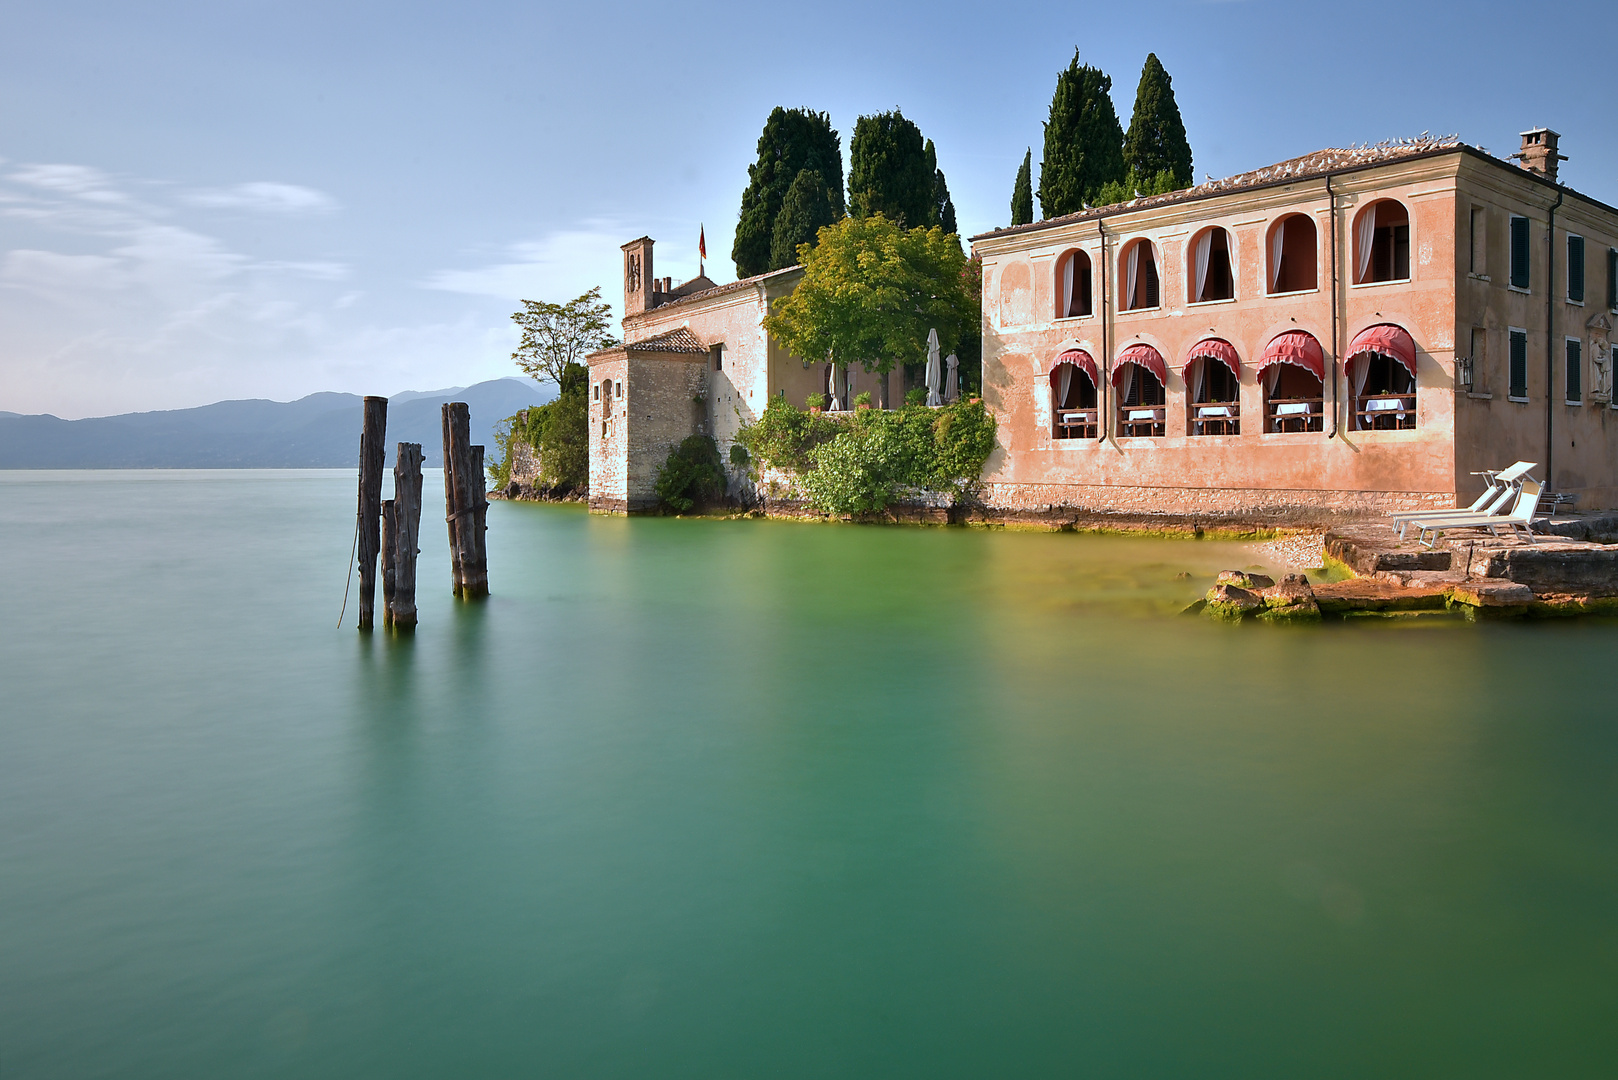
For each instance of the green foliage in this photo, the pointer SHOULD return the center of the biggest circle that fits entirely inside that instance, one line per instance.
(870, 292)
(1083, 141)
(815, 400)
(860, 465)
(862, 398)
(739, 456)
(805, 210)
(1022, 191)
(970, 349)
(916, 396)
(555, 336)
(1156, 142)
(1113, 192)
(943, 207)
(793, 140)
(692, 475)
(890, 171)
(557, 431)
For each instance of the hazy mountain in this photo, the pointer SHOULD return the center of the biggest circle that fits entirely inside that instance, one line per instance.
(319, 431)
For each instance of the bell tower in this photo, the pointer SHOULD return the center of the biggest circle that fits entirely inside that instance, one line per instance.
(639, 285)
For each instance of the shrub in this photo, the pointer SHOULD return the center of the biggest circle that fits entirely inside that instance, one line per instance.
(692, 475)
(783, 436)
(918, 396)
(815, 401)
(862, 398)
(558, 431)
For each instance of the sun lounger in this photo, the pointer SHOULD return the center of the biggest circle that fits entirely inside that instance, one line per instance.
(1521, 517)
(1495, 498)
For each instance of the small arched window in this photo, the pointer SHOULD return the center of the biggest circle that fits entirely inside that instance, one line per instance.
(1073, 285)
(1073, 396)
(1292, 372)
(1140, 376)
(1212, 376)
(1294, 265)
(1382, 242)
(1381, 372)
(1211, 276)
(1138, 276)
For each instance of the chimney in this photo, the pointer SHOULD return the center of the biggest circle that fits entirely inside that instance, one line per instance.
(1538, 153)
(638, 282)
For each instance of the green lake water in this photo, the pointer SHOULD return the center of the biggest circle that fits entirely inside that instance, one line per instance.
(692, 798)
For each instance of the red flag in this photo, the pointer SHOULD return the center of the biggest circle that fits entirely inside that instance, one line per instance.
(702, 242)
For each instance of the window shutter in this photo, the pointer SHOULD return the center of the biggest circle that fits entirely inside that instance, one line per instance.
(1575, 380)
(1519, 252)
(1612, 279)
(1575, 268)
(1518, 379)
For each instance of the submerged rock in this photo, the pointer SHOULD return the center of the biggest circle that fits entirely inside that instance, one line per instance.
(1291, 601)
(1242, 579)
(1230, 603)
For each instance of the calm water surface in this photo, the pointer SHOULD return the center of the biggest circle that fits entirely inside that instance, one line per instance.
(745, 799)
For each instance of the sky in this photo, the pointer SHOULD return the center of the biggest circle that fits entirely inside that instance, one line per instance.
(246, 198)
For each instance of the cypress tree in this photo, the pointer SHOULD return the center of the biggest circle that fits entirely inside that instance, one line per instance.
(1084, 143)
(805, 210)
(1156, 142)
(1022, 192)
(890, 171)
(943, 207)
(792, 140)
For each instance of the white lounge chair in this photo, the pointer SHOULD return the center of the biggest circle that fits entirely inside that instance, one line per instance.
(1494, 500)
(1521, 517)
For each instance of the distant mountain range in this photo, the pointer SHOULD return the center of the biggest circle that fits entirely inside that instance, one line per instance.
(317, 432)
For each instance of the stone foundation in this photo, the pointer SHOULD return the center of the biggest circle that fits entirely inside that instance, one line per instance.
(1250, 507)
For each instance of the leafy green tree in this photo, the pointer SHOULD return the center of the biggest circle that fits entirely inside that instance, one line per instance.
(792, 140)
(806, 209)
(943, 207)
(1022, 191)
(1083, 141)
(870, 292)
(890, 171)
(558, 431)
(1156, 142)
(557, 335)
(692, 475)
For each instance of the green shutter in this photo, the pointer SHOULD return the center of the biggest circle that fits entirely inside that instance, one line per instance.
(1519, 252)
(1612, 279)
(1518, 381)
(1575, 370)
(1575, 268)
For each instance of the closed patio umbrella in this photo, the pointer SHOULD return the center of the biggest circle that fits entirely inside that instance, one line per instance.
(934, 374)
(952, 386)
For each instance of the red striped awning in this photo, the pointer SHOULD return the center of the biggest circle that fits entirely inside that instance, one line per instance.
(1295, 347)
(1081, 360)
(1144, 355)
(1214, 348)
(1386, 340)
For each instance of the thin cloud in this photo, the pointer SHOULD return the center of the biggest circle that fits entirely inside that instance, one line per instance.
(557, 267)
(264, 197)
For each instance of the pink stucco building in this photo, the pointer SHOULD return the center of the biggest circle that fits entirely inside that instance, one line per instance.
(1352, 330)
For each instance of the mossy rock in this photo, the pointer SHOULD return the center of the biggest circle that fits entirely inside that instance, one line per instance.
(1290, 613)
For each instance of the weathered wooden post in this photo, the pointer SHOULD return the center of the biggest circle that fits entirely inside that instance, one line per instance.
(406, 533)
(389, 543)
(450, 507)
(370, 511)
(477, 578)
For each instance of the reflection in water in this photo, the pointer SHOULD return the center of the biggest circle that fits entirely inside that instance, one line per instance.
(756, 798)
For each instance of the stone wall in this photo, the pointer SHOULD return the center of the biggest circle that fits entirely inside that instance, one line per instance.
(1234, 506)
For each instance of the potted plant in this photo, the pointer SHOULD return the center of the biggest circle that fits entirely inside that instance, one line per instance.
(862, 400)
(815, 402)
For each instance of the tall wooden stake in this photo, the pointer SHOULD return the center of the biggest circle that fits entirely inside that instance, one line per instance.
(370, 524)
(450, 506)
(406, 534)
(477, 577)
(390, 535)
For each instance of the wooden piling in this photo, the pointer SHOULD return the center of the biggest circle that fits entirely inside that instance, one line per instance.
(370, 510)
(450, 506)
(406, 534)
(389, 544)
(476, 578)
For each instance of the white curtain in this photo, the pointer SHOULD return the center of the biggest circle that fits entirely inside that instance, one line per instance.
(1128, 388)
(1277, 246)
(1132, 270)
(1273, 375)
(1204, 249)
(1362, 371)
(1067, 284)
(1064, 380)
(1202, 369)
(1367, 236)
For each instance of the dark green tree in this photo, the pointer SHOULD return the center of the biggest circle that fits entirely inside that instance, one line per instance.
(1022, 192)
(943, 206)
(792, 140)
(890, 171)
(806, 209)
(1156, 142)
(1084, 143)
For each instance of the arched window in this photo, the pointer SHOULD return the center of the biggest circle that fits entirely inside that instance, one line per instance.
(1212, 276)
(1213, 388)
(1073, 396)
(1140, 375)
(1294, 265)
(1293, 374)
(1381, 371)
(1382, 242)
(1138, 276)
(1073, 285)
